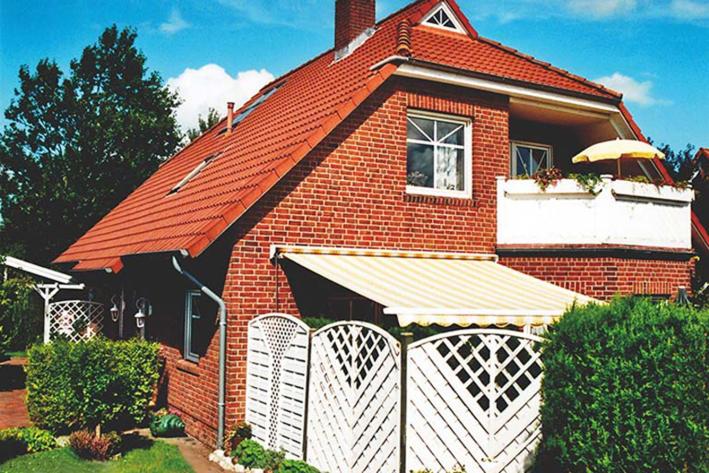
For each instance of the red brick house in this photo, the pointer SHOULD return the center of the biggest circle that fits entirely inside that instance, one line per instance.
(406, 136)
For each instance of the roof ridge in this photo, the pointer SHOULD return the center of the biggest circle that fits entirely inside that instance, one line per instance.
(549, 66)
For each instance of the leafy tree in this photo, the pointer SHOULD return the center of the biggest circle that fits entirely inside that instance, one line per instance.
(77, 145)
(678, 163)
(205, 123)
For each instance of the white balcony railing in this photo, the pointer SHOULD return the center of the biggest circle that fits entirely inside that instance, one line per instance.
(621, 213)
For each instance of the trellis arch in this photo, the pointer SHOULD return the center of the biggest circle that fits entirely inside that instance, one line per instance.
(75, 320)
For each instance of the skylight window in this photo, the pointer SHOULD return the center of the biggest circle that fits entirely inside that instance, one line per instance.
(443, 17)
(200, 167)
(247, 111)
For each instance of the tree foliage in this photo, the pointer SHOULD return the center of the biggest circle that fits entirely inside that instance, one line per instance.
(205, 123)
(77, 144)
(625, 389)
(21, 318)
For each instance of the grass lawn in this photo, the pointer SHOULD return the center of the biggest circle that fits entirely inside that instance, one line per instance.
(157, 457)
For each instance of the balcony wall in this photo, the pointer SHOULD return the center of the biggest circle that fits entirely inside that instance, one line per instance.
(622, 213)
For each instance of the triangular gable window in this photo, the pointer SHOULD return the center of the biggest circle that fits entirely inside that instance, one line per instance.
(200, 167)
(444, 18)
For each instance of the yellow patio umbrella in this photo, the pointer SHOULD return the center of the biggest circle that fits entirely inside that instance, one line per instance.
(618, 150)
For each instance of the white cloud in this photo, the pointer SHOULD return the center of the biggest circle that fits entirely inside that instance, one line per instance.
(690, 9)
(601, 8)
(633, 90)
(174, 23)
(212, 86)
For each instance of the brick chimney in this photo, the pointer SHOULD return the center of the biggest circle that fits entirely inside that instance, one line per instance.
(352, 18)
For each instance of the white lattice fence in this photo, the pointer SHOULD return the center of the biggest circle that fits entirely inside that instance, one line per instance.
(353, 408)
(75, 320)
(473, 400)
(277, 370)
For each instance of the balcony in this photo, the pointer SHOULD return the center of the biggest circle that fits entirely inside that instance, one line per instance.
(619, 214)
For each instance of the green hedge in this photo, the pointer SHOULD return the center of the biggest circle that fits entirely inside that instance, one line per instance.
(73, 386)
(626, 389)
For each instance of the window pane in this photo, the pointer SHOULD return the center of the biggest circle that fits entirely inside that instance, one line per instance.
(540, 158)
(450, 169)
(423, 132)
(419, 165)
(450, 133)
(522, 155)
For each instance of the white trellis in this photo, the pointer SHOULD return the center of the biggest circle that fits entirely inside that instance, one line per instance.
(75, 320)
(473, 400)
(277, 368)
(472, 397)
(354, 394)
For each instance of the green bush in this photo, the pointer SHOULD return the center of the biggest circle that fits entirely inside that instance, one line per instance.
(21, 315)
(18, 441)
(73, 386)
(91, 447)
(295, 466)
(625, 389)
(250, 454)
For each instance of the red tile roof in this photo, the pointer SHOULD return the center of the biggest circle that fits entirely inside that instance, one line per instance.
(312, 100)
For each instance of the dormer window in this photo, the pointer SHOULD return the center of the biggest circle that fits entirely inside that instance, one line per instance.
(438, 155)
(192, 174)
(444, 18)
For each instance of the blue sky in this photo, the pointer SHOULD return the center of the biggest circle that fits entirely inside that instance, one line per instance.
(656, 51)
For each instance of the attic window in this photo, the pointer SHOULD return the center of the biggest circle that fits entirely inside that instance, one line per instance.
(247, 111)
(444, 18)
(200, 167)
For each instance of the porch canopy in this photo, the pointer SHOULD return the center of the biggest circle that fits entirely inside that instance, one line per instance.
(439, 288)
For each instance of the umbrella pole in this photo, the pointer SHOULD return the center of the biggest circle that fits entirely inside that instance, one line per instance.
(620, 170)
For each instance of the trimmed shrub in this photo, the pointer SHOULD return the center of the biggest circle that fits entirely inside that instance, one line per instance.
(296, 466)
(91, 447)
(100, 382)
(625, 389)
(18, 441)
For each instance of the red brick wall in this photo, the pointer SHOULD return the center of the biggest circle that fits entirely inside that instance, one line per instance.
(352, 17)
(351, 192)
(605, 277)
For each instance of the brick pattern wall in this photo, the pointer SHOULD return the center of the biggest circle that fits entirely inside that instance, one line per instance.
(604, 277)
(352, 17)
(350, 192)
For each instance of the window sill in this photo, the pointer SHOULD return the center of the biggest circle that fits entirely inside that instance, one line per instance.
(188, 366)
(439, 200)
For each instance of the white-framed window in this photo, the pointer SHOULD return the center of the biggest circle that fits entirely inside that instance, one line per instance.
(192, 315)
(438, 155)
(528, 158)
(443, 17)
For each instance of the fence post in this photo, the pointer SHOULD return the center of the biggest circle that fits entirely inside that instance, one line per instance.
(406, 339)
(307, 395)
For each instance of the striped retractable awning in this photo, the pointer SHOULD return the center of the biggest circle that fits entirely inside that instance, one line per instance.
(439, 288)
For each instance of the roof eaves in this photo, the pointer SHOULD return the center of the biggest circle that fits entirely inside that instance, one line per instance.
(329, 123)
(551, 67)
(508, 80)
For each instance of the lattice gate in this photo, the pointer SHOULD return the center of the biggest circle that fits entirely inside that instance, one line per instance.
(276, 381)
(354, 394)
(473, 400)
(75, 320)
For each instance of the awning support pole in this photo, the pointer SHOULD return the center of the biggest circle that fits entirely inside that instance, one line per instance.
(406, 339)
(222, 347)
